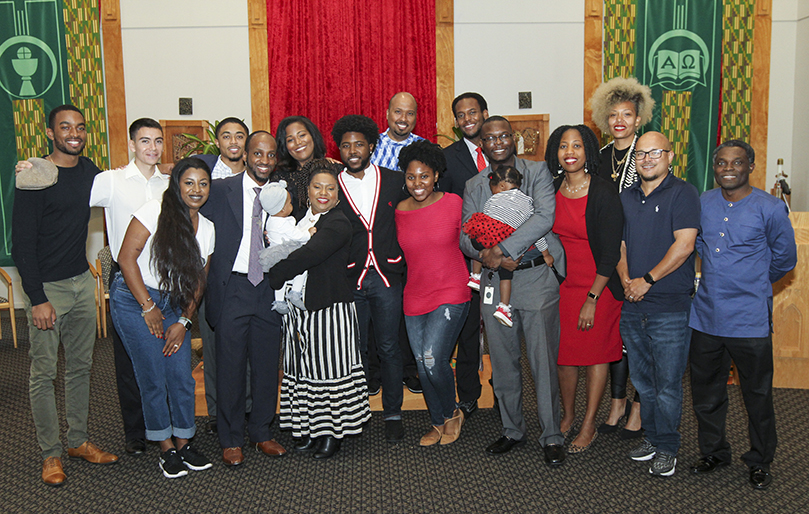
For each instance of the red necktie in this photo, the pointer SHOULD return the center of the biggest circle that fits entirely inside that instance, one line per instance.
(481, 160)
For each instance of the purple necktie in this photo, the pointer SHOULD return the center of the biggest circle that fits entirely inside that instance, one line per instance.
(254, 273)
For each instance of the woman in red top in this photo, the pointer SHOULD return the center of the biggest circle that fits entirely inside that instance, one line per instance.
(436, 298)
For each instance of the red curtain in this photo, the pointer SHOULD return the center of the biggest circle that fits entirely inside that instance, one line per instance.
(329, 58)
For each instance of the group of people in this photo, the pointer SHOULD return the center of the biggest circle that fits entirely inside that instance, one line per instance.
(588, 257)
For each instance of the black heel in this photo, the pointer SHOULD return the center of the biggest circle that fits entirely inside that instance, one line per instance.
(606, 428)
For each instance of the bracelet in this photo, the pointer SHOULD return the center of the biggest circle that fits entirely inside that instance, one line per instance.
(185, 322)
(592, 295)
(147, 311)
(146, 301)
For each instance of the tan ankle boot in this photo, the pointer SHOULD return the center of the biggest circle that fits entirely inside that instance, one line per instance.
(452, 428)
(434, 436)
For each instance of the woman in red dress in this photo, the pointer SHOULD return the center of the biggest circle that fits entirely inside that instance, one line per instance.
(589, 221)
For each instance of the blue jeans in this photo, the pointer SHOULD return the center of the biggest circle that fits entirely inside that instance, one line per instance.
(383, 305)
(657, 348)
(432, 338)
(166, 385)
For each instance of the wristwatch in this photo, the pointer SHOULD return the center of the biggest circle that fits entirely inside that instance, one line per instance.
(648, 278)
(592, 295)
(185, 322)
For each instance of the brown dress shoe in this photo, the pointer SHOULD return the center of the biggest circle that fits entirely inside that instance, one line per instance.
(92, 453)
(232, 456)
(52, 473)
(452, 428)
(271, 448)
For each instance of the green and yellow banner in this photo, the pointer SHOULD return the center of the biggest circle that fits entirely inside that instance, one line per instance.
(678, 47)
(50, 54)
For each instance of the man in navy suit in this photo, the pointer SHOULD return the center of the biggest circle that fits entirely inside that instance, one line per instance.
(465, 159)
(231, 134)
(239, 306)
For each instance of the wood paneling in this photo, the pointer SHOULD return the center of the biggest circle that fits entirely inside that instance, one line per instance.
(259, 65)
(114, 81)
(593, 26)
(444, 67)
(790, 307)
(762, 33)
(531, 133)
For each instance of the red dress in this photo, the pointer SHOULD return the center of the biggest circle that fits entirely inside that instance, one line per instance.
(602, 343)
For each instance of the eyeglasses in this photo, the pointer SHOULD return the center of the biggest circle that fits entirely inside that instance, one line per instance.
(493, 139)
(653, 154)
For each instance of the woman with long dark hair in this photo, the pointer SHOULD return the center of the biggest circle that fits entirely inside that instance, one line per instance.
(299, 141)
(324, 395)
(589, 222)
(164, 262)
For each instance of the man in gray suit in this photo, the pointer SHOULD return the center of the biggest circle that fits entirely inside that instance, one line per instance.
(534, 296)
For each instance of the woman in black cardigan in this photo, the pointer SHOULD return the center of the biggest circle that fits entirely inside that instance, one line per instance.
(589, 222)
(323, 394)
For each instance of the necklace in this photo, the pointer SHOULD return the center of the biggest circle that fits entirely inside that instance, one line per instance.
(616, 164)
(574, 190)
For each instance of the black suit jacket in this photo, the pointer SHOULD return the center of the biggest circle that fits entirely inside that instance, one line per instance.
(604, 217)
(208, 159)
(388, 254)
(460, 168)
(325, 255)
(225, 209)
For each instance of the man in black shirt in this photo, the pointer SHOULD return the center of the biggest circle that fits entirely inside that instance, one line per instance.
(49, 235)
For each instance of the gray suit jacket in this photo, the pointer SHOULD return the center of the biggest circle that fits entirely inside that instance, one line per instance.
(538, 184)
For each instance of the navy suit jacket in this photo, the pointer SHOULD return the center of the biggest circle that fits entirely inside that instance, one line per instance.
(225, 209)
(208, 159)
(460, 168)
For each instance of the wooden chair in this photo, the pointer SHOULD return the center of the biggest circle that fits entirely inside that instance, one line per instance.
(95, 272)
(8, 303)
(104, 267)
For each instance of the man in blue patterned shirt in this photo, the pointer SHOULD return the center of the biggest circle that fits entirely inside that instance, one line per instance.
(747, 243)
(401, 115)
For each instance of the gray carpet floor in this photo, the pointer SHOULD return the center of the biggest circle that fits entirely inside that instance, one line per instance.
(370, 475)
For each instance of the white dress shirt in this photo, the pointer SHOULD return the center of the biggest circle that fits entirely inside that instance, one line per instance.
(121, 192)
(242, 262)
(361, 191)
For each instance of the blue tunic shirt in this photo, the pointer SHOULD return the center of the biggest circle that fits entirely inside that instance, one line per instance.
(745, 246)
(649, 226)
(386, 153)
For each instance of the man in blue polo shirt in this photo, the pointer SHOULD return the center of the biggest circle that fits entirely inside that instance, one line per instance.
(401, 116)
(747, 243)
(661, 219)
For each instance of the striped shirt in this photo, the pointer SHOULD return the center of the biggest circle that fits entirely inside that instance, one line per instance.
(387, 150)
(512, 207)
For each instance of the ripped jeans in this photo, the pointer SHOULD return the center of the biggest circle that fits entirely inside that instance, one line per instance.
(432, 339)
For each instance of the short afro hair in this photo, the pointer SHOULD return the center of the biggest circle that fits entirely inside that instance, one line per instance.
(355, 123)
(57, 110)
(619, 90)
(736, 143)
(318, 166)
(425, 152)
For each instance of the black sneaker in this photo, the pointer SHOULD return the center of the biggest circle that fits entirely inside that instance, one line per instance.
(468, 408)
(172, 464)
(394, 430)
(373, 387)
(413, 385)
(193, 459)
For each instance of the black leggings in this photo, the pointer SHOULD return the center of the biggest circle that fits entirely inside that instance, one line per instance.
(619, 375)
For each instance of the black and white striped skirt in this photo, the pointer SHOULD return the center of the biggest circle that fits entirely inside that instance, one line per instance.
(324, 391)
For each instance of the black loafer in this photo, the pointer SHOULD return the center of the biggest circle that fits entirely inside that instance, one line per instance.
(394, 430)
(307, 444)
(707, 465)
(554, 454)
(329, 445)
(210, 426)
(503, 445)
(760, 478)
(135, 447)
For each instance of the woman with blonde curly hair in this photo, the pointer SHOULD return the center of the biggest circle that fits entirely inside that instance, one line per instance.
(621, 106)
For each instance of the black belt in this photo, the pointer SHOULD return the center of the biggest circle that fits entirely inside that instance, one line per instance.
(530, 264)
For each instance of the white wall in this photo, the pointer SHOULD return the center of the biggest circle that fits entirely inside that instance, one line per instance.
(186, 48)
(799, 165)
(502, 48)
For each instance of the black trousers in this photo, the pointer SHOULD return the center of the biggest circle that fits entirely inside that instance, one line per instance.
(128, 392)
(248, 330)
(710, 363)
(467, 379)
